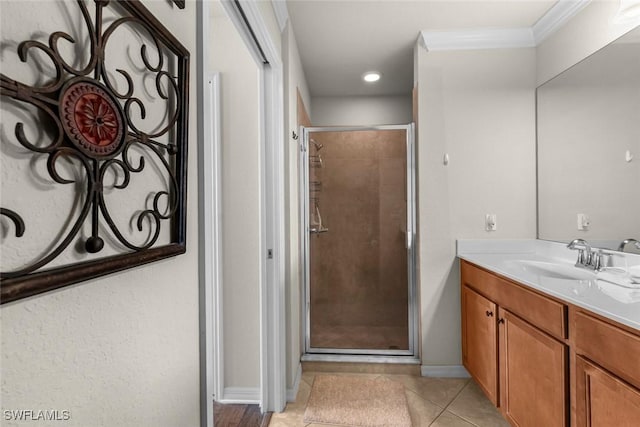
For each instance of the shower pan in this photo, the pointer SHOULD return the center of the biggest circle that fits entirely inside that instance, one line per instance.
(358, 223)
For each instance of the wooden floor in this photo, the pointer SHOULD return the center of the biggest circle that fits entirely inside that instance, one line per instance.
(239, 416)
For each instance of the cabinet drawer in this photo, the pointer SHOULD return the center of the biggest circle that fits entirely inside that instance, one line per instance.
(611, 347)
(545, 313)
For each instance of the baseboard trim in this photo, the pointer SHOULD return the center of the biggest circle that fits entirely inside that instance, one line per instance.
(292, 393)
(444, 371)
(242, 395)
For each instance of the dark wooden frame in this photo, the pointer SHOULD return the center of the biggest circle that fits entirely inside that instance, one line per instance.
(36, 281)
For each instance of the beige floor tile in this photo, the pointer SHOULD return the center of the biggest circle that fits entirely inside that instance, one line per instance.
(426, 398)
(287, 419)
(440, 391)
(304, 390)
(308, 377)
(472, 405)
(422, 411)
(447, 419)
(371, 376)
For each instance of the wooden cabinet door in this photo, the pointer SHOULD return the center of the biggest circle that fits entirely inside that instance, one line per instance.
(603, 400)
(533, 375)
(479, 341)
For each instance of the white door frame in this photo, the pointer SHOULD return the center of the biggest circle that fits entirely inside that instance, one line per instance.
(251, 28)
(208, 193)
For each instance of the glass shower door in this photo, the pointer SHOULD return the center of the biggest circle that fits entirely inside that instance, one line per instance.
(359, 244)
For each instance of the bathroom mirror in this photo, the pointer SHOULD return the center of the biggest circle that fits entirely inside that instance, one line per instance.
(588, 148)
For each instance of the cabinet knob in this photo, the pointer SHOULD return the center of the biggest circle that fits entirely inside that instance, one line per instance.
(500, 320)
(489, 313)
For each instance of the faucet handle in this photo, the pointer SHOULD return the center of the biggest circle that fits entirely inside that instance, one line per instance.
(596, 261)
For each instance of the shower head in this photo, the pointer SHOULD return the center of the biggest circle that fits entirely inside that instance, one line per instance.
(317, 145)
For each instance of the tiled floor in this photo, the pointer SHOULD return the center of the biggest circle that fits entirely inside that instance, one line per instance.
(437, 402)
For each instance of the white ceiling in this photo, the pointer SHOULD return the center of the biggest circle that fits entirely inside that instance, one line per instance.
(340, 40)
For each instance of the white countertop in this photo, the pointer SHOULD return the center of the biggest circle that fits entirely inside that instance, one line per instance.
(614, 302)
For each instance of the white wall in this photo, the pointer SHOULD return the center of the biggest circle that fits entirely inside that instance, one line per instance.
(294, 82)
(361, 110)
(121, 350)
(241, 191)
(477, 106)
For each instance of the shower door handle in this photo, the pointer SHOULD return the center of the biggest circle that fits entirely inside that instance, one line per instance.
(315, 230)
(407, 235)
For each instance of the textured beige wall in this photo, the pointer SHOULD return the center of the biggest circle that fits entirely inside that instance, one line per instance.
(359, 267)
(477, 106)
(361, 110)
(121, 350)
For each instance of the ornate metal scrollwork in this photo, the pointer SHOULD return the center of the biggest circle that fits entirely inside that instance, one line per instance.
(93, 126)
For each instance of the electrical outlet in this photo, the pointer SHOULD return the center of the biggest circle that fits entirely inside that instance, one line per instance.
(583, 222)
(490, 223)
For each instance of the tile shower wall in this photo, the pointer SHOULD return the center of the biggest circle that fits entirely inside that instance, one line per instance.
(359, 284)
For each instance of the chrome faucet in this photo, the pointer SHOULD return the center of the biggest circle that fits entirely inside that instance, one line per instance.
(574, 245)
(587, 258)
(625, 242)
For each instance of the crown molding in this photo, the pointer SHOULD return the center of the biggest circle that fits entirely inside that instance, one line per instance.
(556, 17)
(504, 38)
(497, 38)
(281, 12)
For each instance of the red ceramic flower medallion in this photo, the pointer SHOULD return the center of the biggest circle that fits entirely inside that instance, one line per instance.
(91, 117)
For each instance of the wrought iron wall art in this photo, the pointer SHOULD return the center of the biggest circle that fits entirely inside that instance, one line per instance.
(96, 126)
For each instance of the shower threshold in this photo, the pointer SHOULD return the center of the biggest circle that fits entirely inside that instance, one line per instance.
(361, 358)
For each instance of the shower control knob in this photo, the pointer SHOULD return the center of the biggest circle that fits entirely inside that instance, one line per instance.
(489, 313)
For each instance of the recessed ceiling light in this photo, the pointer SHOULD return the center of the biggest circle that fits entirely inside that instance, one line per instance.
(371, 76)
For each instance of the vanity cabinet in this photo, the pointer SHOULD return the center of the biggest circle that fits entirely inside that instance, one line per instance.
(603, 399)
(513, 344)
(480, 341)
(607, 372)
(533, 374)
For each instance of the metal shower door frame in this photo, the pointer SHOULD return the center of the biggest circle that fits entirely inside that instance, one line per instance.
(352, 354)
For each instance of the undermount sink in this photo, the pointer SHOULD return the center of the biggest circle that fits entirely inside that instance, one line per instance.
(554, 270)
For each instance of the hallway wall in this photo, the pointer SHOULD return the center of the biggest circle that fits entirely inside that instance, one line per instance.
(361, 110)
(121, 350)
